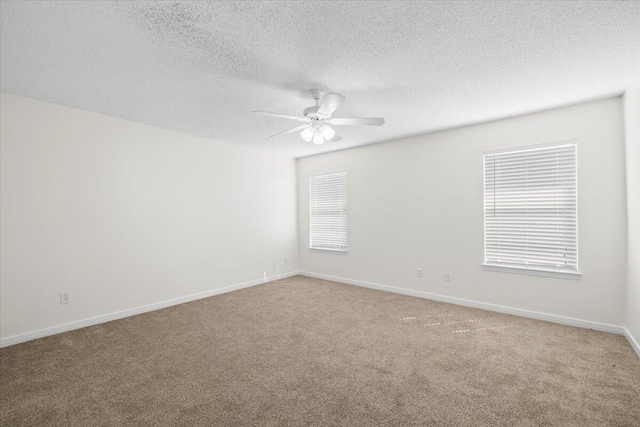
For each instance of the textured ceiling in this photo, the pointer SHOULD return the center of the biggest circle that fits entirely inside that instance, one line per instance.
(202, 67)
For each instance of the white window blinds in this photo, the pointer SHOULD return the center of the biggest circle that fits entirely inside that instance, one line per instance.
(530, 208)
(328, 211)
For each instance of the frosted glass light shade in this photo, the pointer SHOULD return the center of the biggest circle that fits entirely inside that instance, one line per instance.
(317, 138)
(307, 134)
(327, 132)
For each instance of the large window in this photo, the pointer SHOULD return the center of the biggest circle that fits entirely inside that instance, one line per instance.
(530, 209)
(328, 211)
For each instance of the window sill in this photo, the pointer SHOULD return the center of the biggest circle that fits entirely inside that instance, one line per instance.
(532, 272)
(336, 251)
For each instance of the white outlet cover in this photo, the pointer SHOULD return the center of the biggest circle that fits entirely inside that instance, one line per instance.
(65, 297)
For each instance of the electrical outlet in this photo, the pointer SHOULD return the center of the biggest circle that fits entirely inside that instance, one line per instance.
(447, 276)
(286, 260)
(65, 297)
(418, 272)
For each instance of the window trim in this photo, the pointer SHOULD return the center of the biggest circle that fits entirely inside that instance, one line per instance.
(536, 271)
(336, 251)
(533, 272)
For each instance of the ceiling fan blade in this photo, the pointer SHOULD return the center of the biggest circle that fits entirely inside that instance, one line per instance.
(331, 103)
(356, 121)
(295, 129)
(282, 116)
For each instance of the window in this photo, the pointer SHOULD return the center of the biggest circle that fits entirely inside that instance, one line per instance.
(530, 210)
(328, 211)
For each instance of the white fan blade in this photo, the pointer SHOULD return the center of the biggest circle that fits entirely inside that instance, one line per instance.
(301, 127)
(331, 103)
(356, 121)
(282, 116)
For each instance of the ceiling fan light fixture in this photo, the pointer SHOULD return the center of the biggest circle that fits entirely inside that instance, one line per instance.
(317, 138)
(327, 132)
(307, 134)
(318, 121)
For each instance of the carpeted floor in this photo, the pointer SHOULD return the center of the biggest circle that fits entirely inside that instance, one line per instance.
(302, 351)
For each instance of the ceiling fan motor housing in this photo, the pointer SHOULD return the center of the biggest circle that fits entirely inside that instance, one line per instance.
(312, 113)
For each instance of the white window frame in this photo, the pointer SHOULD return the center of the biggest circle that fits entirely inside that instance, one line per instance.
(526, 269)
(330, 248)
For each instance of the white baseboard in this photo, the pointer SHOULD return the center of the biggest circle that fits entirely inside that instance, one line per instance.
(17, 339)
(475, 304)
(632, 341)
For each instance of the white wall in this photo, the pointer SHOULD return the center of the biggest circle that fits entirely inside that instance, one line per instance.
(632, 135)
(418, 202)
(123, 215)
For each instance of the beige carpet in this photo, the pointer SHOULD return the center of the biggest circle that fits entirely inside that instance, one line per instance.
(303, 351)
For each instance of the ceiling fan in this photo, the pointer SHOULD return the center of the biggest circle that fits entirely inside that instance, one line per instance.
(317, 120)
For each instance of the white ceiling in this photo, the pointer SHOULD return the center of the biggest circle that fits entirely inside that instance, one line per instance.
(202, 68)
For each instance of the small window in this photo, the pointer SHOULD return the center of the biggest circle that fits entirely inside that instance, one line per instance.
(530, 209)
(328, 212)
